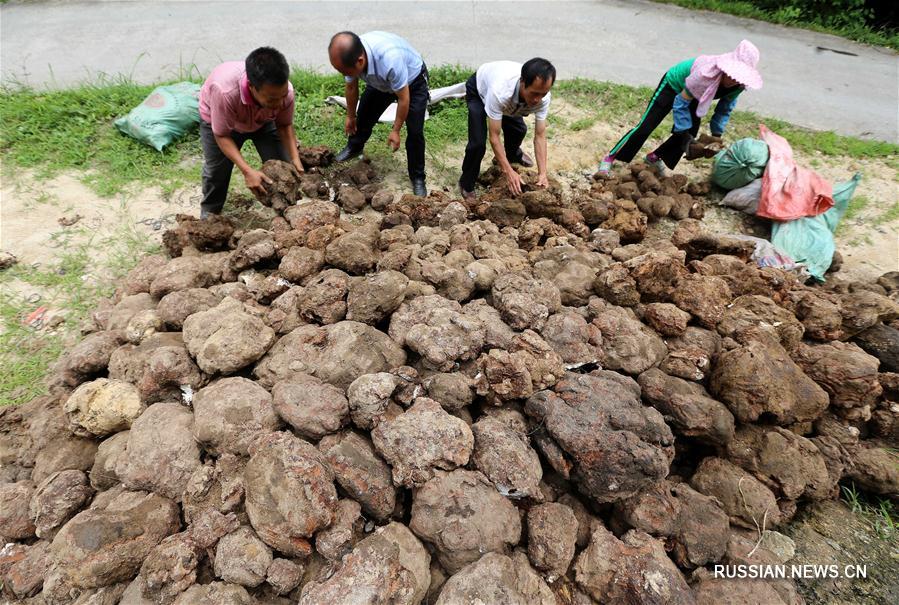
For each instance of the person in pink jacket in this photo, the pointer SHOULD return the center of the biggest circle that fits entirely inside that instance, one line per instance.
(688, 90)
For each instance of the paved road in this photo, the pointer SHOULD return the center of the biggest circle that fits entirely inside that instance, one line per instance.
(854, 90)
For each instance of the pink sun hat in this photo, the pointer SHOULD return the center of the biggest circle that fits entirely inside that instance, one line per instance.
(740, 64)
(705, 75)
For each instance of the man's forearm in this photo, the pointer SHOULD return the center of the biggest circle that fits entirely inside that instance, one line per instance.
(229, 148)
(289, 139)
(403, 100)
(352, 98)
(499, 152)
(540, 151)
(402, 112)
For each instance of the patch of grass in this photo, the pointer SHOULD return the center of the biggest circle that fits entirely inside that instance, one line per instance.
(856, 206)
(787, 15)
(555, 122)
(605, 99)
(889, 215)
(745, 124)
(50, 131)
(71, 286)
(582, 124)
(880, 513)
(26, 354)
(315, 122)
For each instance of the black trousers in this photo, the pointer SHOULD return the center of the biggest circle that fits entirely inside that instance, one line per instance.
(660, 105)
(217, 168)
(372, 104)
(514, 130)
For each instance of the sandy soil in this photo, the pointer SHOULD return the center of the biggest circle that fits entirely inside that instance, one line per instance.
(35, 214)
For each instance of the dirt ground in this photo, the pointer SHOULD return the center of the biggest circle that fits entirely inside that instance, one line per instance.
(36, 212)
(827, 533)
(43, 220)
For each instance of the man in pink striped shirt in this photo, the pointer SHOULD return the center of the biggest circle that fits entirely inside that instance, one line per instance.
(240, 101)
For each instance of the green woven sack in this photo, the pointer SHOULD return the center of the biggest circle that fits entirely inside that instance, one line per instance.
(809, 240)
(167, 114)
(740, 164)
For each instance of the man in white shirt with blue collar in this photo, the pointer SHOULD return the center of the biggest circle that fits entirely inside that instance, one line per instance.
(498, 96)
(392, 71)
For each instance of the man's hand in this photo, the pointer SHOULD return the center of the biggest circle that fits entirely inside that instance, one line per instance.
(299, 166)
(514, 180)
(256, 180)
(393, 140)
(349, 126)
(542, 181)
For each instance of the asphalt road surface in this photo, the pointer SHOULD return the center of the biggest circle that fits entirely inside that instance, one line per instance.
(811, 79)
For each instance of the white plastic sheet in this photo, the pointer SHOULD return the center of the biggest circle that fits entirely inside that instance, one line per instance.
(456, 91)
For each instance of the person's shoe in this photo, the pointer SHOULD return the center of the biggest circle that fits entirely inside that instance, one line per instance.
(205, 214)
(419, 188)
(466, 195)
(605, 167)
(347, 153)
(524, 159)
(654, 161)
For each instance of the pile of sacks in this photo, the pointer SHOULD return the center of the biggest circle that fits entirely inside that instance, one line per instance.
(383, 399)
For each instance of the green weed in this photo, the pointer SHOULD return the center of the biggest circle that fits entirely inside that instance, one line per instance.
(880, 513)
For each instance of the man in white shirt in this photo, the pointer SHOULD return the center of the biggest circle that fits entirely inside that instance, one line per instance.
(498, 96)
(392, 71)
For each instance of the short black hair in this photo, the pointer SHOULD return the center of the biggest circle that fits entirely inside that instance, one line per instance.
(352, 52)
(538, 68)
(266, 65)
